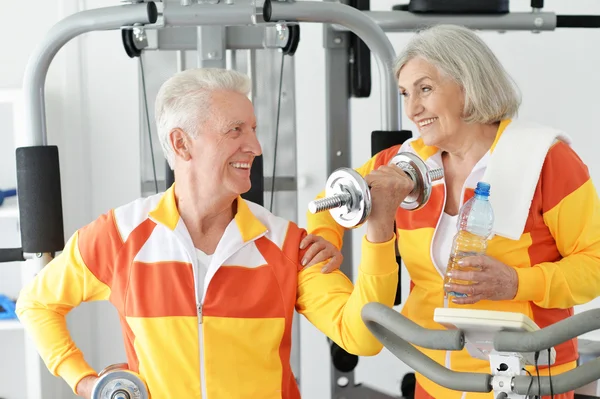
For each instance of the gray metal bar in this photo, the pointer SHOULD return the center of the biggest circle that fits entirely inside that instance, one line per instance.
(378, 324)
(395, 324)
(561, 383)
(282, 183)
(338, 144)
(211, 46)
(338, 124)
(364, 27)
(402, 21)
(34, 80)
(244, 12)
(254, 37)
(236, 38)
(548, 337)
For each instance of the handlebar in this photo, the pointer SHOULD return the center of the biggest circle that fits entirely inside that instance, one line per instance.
(548, 337)
(398, 335)
(410, 331)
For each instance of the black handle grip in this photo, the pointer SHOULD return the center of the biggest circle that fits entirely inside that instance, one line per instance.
(578, 21)
(359, 69)
(537, 3)
(11, 255)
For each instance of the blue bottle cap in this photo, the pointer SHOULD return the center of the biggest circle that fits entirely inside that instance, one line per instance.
(483, 188)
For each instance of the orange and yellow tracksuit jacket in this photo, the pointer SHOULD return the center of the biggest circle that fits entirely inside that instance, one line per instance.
(557, 257)
(233, 343)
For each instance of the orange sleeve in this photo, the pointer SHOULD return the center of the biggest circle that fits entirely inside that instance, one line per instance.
(80, 273)
(571, 210)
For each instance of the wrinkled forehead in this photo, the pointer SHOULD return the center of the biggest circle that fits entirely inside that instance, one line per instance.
(418, 70)
(228, 108)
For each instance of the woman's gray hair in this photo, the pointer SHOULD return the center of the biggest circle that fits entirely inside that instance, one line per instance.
(490, 93)
(184, 100)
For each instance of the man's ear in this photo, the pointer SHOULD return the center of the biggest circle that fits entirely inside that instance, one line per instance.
(180, 142)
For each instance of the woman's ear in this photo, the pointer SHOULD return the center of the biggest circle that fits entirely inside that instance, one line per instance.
(180, 142)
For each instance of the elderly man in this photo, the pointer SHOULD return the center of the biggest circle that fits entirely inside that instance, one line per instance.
(205, 282)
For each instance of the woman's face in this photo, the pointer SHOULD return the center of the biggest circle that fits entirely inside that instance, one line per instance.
(433, 101)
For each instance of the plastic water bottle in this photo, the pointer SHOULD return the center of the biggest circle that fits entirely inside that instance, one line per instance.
(475, 224)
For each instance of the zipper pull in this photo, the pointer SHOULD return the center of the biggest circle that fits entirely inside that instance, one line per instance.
(199, 307)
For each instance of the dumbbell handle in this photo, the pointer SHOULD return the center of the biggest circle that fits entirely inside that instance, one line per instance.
(331, 202)
(435, 174)
(342, 199)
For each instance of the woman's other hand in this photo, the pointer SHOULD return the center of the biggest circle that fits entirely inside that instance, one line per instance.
(319, 250)
(489, 279)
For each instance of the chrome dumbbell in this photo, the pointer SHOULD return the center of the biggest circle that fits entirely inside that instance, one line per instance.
(348, 197)
(117, 382)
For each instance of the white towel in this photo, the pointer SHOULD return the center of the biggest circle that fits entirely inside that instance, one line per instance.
(513, 172)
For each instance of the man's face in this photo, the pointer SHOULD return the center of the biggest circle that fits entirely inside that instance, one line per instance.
(225, 148)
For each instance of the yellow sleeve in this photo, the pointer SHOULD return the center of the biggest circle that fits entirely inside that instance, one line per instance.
(571, 210)
(43, 304)
(333, 305)
(322, 224)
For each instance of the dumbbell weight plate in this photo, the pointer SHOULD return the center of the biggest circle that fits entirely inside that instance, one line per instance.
(121, 384)
(358, 210)
(418, 171)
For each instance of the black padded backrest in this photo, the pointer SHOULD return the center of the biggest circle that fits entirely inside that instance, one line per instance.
(380, 140)
(256, 193)
(169, 176)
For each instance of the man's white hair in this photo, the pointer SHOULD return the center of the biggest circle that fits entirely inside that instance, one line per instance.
(490, 93)
(184, 101)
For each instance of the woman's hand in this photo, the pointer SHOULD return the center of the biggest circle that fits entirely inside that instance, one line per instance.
(86, 386)
(319, 251)
(389, 186)
(489, 279)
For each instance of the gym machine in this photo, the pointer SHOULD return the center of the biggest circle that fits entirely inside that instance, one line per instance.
(510, 341)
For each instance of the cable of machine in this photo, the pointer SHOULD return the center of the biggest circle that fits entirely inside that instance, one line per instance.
(147, 112)
(276, 132)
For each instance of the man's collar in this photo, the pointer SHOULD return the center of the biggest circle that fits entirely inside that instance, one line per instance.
(248, 224)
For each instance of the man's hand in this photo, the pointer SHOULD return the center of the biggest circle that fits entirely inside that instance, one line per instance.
(319, 251)
(389, 186)
(493, 280)
(85, 386)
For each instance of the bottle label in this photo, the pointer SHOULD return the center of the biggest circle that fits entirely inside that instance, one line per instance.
(452, 266)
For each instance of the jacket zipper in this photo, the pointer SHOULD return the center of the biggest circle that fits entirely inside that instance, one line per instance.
(447, 353)
(199, 296)
(201, 349)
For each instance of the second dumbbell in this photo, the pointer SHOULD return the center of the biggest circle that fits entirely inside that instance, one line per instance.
(117, 382)
(348, 197)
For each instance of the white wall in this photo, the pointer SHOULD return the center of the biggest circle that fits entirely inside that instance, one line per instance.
(13, 58)
(557, 74)
(93, 116)
(92, 108)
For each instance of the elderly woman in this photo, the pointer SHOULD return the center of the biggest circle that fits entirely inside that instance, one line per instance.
(206, 283)
(463, 102)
